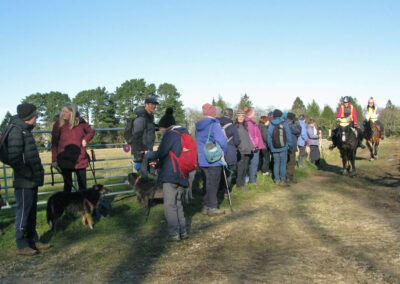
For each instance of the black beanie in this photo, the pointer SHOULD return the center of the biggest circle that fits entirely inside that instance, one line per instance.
(277, 113)
(291, 116)
(168, 119)
(26, 111)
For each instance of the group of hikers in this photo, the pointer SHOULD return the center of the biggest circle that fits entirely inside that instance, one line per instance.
(231, 147)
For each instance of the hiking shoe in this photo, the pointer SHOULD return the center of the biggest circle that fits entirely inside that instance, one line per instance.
(332, 147)
(184, 236)
(265, 174)
(205, 210)
(174, 238)
(27, 251)
(277, 182)
(215, 211)
(42, 246)
(284, 183)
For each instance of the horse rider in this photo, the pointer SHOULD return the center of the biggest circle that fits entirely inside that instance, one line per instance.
(371, 112)
(347, 111)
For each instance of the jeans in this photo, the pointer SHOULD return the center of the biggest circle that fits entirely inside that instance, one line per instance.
(173, 209)
(25, 219)
(212, 182)
(242, 167)
(290, 165)
(280, 161)
(253, 167)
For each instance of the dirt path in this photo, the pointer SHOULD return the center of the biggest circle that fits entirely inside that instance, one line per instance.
(326, 229)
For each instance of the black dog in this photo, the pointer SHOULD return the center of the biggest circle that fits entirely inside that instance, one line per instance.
(81, 203)
(145, 188)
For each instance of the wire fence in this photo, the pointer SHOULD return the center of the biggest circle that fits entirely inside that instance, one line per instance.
(50, 187)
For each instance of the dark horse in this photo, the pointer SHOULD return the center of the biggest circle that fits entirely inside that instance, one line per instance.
(346, 139)
(372, 136)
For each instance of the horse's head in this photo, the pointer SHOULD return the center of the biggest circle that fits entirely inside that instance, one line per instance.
(347, 137)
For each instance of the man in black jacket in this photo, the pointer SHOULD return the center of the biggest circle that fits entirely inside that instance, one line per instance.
(144, 129)
(23, 157)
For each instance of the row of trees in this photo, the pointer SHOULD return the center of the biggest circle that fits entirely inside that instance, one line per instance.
(107, 110)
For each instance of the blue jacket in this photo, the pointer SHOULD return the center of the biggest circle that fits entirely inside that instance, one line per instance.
(303, 138)
(232, 134)
(271, 127)
(170, 142)
(202, 129)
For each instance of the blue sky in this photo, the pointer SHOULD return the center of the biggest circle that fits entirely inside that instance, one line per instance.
(273, 50)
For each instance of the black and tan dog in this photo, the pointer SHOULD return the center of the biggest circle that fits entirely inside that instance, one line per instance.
(81, 203)
(145, 188)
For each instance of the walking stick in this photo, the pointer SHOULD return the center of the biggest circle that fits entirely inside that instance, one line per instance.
(224, 164)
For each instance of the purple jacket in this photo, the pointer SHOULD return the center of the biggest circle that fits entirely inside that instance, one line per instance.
(202, 129)
(255, 134)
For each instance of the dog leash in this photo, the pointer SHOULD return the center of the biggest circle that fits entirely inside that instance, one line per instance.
(92, 160)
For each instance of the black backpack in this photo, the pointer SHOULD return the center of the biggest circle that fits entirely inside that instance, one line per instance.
(279, 136)
(128, 132)
(4, 144)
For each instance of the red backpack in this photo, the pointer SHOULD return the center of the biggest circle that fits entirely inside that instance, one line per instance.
(187, 161)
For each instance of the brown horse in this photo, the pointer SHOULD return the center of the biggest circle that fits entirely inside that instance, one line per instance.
(372, 136)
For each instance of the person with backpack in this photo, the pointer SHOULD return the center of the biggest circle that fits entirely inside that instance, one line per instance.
(69, 138)
(295, 130)
(302, 141)
(265, 154)
(176, 147)
(209, 133)
(313, 136)
(23, 157)
(232, 136)
(245, 149)
(279, 140)
(258, 142)
(143, 130)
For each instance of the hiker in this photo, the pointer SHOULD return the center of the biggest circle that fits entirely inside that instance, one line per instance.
(279, 147)
(23, 157)
(347, 110)
(174, 181)
(258, 142)
(313, 136)
(208, 129)
(372, 112)
(232, 136)
(144, 132)
(302, 141)
(69, 138)
(245, 149)
(295, 130)
(265, 154)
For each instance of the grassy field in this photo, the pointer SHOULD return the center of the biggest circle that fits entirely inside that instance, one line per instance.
(323, 229)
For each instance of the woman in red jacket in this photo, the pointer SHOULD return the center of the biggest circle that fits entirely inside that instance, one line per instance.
(70, 135)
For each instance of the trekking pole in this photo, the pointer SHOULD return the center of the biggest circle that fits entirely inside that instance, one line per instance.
(226, 181)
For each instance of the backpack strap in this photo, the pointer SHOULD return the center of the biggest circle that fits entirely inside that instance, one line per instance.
(209, 132)
(224, 131)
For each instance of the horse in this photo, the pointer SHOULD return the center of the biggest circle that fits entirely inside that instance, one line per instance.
(372, 137)
(346, 140)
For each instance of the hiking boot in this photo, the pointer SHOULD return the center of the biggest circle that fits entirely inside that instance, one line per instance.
(205, 210)
(184, 236)
(277, 182)
(332, 147)
(284, 183)
(42, 246)
(215, 211)
(27, 251)
(174, 238)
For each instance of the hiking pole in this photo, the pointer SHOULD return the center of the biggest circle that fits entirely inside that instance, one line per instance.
(226, 181)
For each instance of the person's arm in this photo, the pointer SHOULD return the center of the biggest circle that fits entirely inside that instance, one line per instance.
(365, 113)
(310, 133)
(16, 160)
(269, 137)
(89, 133)
(236, 136)
(139, 126)
(288, 135)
